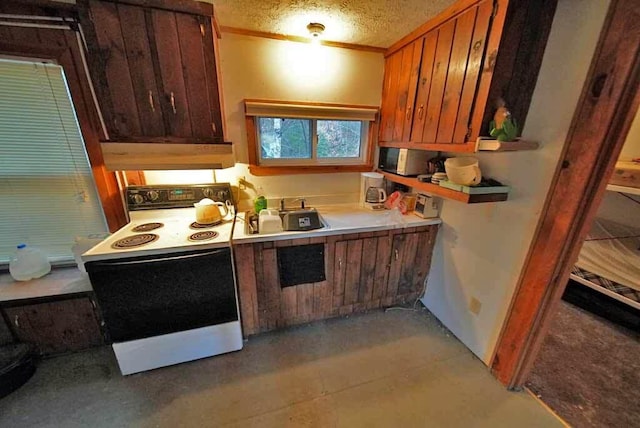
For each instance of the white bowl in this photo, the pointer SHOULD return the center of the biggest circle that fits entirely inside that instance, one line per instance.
(463, 170)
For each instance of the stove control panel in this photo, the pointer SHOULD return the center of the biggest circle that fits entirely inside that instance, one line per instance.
(178, 196)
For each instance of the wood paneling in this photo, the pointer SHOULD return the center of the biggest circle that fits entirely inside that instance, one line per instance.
(155, 71)
(461, 132)
(357, 271)
(113, 80)
(62, 326)
(455, 75)
(474, 53)
(138, 54)
(424, 85)
(300, 39)
(439, 80)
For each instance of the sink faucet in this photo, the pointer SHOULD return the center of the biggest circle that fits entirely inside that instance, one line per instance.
(302, 202)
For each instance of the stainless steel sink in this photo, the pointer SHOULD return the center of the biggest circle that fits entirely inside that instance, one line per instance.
(296, 220)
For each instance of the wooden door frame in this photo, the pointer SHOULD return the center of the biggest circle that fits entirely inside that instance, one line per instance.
(607, 106)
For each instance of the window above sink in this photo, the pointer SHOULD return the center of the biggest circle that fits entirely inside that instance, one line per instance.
(286, 138)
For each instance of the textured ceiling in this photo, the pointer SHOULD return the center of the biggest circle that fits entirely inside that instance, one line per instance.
(365, 22)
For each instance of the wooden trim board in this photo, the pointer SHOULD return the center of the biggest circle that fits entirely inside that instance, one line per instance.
(300, 39)
(607, 106)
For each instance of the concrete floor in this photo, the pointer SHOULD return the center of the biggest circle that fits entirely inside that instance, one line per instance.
(376, 370)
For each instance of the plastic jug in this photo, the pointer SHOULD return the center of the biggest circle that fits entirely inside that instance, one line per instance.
(28, 263)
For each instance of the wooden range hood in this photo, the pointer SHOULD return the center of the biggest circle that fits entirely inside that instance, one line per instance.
(150, 156)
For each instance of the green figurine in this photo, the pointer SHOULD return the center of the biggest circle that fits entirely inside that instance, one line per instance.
(503, 126)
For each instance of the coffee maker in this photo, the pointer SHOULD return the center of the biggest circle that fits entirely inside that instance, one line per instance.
(372, 192)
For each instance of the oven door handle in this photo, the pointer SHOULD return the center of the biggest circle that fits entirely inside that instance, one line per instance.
(112, 263)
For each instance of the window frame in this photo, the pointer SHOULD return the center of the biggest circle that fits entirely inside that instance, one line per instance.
(315, 159)
(313, 112)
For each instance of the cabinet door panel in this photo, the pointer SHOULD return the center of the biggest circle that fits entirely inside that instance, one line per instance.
(247, 287)
(117, 97)
(147, 96)
(383, 255)
(405, 98)
(408, 263)
(195, 76)
(271, 286)
(392, 75)
(455, 75)
(68, 325)
(395, 269)
(424, 252)
(174, 98)
(368, 270)
(439, 80)
(339, 272)
(474, 62)
(211, 66)
(424, 84)
(352, 277)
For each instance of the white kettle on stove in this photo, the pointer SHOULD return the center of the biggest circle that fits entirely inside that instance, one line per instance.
(208, 211)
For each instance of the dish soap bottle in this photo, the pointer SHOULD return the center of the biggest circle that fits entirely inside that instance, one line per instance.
(28, 263)
(260, 202)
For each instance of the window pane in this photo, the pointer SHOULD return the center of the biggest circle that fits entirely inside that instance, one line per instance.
(285, 138)
(339, 138)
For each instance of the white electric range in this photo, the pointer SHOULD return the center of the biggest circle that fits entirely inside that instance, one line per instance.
(166, 284)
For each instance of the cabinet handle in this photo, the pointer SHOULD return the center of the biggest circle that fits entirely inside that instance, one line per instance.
(214, 127)
(202, 30)
(420, 111)
(173, 103)
(408, 113)
(340, 263)
(16, 320)
(396, 253)
(153, 109)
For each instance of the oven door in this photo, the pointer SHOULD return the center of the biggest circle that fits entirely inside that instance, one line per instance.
(152, 295)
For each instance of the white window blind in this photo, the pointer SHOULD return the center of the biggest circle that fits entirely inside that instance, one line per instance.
(47, 192)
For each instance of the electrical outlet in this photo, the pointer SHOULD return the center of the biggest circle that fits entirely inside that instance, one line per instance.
(475, 306)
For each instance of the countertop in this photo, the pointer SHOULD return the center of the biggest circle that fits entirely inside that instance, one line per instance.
(60, 281)
(340, 219)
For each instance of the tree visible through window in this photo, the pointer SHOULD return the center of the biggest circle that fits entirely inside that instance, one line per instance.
(284, 138)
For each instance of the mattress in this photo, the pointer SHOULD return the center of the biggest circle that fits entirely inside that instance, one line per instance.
(609, 261)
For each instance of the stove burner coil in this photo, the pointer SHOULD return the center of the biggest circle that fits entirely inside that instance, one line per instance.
(195, 225)
(203, 236)
(147, 227)
(134, 241)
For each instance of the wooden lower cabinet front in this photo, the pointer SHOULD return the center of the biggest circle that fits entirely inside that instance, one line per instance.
(56, 326)
(363, 271)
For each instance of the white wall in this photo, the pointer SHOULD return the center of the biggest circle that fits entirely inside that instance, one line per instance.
(254, 67)
(481, 248)
(631, 148)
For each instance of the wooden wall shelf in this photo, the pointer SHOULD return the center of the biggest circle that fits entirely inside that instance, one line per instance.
(443, 192)
(482, 144)
(490, 145)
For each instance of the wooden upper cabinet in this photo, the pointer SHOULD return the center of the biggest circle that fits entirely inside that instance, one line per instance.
(154, 72)
(399, 88)
(465, 62)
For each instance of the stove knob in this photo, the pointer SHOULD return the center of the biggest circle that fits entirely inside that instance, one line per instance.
(208, 192)
(152, 195)
(222, 195)
(137, 198)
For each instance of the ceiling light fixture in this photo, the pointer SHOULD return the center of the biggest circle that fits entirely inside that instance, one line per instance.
(315, 30)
